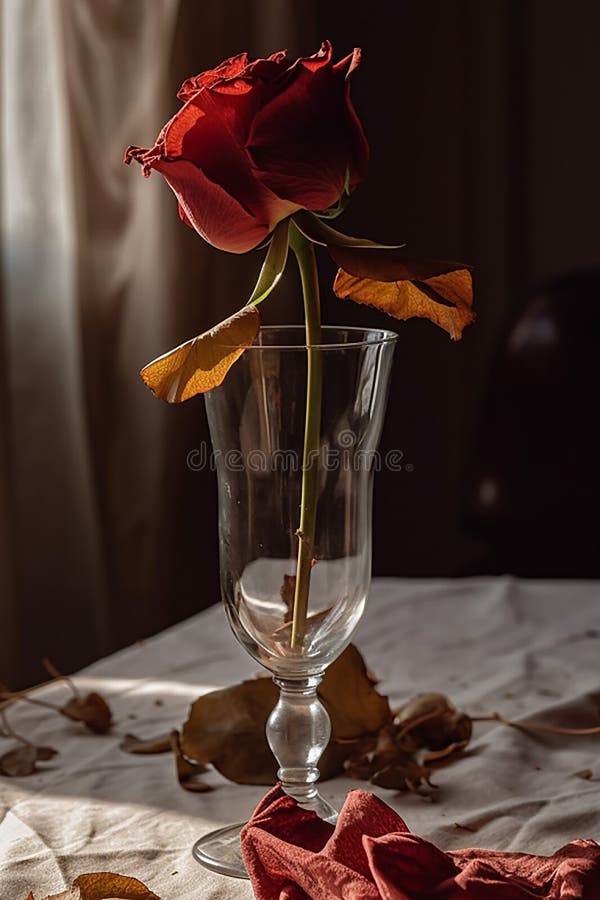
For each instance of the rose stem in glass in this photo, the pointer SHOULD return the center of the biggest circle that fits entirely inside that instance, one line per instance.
(307, 264)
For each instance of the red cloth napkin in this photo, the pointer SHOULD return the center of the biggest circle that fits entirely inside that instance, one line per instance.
(291, 854)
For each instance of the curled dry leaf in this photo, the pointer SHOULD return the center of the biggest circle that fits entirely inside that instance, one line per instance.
(402, 774)
(133, 744)
(437, 290)
(104, 886)
(202, 363)
(394, 759)
(92, 710)
(45, 753)
(187, 771)
(433, 722)
(387, 763)
(227, 727)
(21, 761)
(422, 705)
(445, 754)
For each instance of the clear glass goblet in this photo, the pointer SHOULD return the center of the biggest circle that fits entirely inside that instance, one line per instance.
(257, 421)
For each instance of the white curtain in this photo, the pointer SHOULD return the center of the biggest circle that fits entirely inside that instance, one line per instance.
(98, 277)
(80, 243)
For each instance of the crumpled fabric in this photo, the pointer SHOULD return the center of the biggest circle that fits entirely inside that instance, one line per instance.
(370, 854)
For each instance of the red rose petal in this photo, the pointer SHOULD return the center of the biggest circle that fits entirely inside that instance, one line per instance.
(214, 214)
(210, 132)
(319, 59)
(211, 141)
(305, 139)
(229, 68)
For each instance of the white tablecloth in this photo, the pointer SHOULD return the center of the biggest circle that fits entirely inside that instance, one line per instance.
(520, 647)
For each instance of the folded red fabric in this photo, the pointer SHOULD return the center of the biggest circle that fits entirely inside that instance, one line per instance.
(291, 854)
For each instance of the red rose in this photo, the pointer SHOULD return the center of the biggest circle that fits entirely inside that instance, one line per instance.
(257, 140)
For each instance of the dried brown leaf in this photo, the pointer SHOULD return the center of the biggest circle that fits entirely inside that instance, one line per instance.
(422, 705)
(21, 761)
(92, 710)
(538, 727)
(104, 886)
(202, 363)
(227, 727)
(387, 764)
(187, 771)
(437, 290)
(392, 761)
(348, 693)
(401, 775)
(586, 774)
(433, 722)
(333, 759)
(45, 753)
(445, 754)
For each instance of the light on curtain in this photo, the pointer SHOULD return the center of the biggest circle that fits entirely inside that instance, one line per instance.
(74, 227)
(105, 534)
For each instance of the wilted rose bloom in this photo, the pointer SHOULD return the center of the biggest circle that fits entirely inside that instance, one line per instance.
(257, 140)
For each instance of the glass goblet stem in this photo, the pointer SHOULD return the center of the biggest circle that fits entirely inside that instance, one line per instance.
(298, 731)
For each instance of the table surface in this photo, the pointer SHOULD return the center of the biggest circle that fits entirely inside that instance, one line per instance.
(528, 649)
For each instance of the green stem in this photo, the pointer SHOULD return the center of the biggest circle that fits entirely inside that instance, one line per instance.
(305, 254)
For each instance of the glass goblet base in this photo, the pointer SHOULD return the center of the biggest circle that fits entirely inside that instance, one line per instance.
(220, 851)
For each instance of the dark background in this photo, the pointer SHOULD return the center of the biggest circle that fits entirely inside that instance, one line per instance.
(485, 148)
(483, 124)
